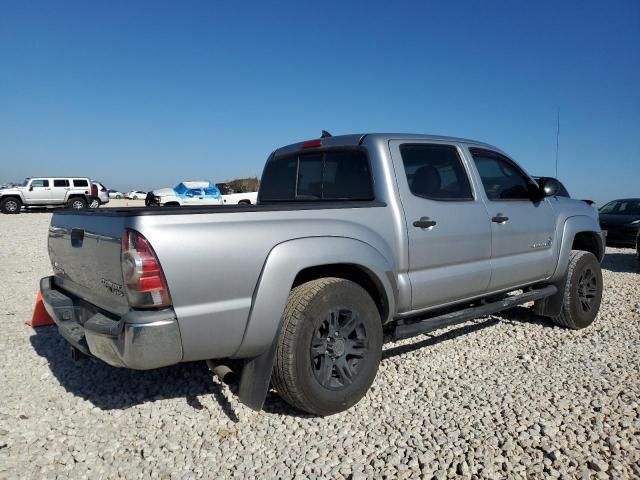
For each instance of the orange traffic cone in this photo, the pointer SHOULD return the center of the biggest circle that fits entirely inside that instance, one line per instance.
(40, 316)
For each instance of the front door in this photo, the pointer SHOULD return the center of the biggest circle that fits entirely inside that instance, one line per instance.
(448, 227)
(39, 191)
(522, 228)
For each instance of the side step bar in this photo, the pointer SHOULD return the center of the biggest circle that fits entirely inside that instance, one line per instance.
(452, 318)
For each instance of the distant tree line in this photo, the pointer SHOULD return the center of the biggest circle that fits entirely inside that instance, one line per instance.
(242, 185)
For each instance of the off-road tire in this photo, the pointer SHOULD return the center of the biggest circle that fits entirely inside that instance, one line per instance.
(95, 203)
(295, 374)
(577, 297)
(8, 206)
(74, 203)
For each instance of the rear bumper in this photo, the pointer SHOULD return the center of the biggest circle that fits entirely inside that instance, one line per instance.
(140, 340)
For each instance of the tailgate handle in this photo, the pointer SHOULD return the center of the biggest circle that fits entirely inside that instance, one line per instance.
(77, 237)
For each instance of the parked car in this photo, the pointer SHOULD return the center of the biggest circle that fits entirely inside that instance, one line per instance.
(621, 219)
(135, 195)
(72, 192)
(116, 194)
(231, 197)
(102, 198)
(185, 193)
(351, 234)
(247, 198)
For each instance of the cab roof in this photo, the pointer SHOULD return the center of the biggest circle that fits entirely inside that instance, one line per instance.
(360, 138)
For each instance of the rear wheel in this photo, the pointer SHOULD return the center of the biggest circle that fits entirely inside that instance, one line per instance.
(582, 291)
(10, 206)
(77, 203)
(329, 347)
(95, 203)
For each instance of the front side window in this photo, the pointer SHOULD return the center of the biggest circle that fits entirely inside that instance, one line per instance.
(502, 180)
(330, 175)
(80, 183)
(39, 183)
(61, 183)
(435, 172)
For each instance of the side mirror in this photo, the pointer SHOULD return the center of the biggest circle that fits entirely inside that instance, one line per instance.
(31, 188)
(549, 186)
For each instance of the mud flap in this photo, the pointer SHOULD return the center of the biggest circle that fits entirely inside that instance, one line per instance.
(256, 377)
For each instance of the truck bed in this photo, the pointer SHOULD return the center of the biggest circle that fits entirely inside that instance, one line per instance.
(202, 209)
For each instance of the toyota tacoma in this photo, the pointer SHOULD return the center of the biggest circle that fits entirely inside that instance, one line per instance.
(352, 236)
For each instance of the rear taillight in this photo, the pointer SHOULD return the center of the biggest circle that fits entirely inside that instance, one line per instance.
(103, 188)
(142, 274)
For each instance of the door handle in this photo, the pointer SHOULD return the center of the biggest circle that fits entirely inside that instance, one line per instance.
(424, 222)
(500, 218)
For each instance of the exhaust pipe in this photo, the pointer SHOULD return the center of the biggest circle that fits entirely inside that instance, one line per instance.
(223, 372)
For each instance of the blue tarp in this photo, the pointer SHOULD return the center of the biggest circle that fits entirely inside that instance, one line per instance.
(199, 189)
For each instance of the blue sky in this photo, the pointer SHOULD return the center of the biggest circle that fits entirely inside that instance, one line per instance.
(144, 94)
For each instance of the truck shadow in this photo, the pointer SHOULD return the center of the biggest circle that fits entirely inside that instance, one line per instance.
(110, 388)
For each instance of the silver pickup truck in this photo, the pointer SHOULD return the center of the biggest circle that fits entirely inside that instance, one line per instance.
(352, 235)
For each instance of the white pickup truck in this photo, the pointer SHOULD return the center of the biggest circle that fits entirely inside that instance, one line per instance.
(72, 192)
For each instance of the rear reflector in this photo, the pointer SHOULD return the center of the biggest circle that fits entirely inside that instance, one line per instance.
(142, 274)
(312, 143)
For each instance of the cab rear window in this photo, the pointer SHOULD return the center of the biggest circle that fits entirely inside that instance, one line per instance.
(316, 176)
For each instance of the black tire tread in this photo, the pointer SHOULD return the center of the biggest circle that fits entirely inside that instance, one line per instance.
(565, 319)
(6, 199)
(284, 366)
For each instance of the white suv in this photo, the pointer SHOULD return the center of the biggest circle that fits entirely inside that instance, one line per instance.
(72, 192)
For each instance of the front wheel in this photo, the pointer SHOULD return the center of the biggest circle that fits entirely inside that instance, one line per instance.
(582, 291)
(10, 206)
(329, 348)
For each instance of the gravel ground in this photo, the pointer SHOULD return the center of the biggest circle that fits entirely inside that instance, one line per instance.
(507, 395)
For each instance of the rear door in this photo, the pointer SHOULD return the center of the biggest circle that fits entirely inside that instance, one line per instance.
(448, 226)
(522, 229)
(60, 188)
(39, 191)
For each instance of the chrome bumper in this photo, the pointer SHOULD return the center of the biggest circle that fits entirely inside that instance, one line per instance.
(140, 340)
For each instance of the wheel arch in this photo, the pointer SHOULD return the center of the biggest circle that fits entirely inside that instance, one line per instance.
(349, 271)
(579, 233)
(296, 261)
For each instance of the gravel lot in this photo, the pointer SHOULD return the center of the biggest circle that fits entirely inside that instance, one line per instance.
(507, 395)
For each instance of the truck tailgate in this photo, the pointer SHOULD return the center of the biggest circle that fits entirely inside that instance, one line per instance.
(85, 256)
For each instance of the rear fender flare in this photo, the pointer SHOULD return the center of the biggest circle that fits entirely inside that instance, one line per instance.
(283, 264)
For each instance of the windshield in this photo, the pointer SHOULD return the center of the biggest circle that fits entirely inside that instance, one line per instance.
(622, 207)
(24, 183)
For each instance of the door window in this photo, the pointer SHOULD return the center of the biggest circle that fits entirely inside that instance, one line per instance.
(61, 183)
(502, 180)
(39, 183)
(435, 172)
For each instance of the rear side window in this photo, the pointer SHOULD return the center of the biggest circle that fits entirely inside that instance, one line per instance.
(61, 183)
(435, 172)
(330, 175)
(80, 183)
(40, 183)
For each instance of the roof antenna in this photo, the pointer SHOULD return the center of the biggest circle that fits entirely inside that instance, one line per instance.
(325, 134)
(557, 140)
